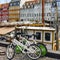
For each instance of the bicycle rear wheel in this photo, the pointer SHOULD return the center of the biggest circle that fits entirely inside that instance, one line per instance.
(37, 52)
(43, 48)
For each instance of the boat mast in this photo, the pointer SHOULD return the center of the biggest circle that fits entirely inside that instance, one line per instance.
(56, 18)
(54, 4)
(43, 1)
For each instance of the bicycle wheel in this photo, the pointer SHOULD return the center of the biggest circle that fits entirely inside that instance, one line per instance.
(37, 52)
(43, 48)
(10, 52)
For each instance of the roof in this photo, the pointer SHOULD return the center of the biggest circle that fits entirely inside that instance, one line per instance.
(15, 0)
(37, 1)
(30, 2)
(37, 28)
(5, 5)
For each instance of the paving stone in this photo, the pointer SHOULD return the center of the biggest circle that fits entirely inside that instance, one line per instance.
(21, 56)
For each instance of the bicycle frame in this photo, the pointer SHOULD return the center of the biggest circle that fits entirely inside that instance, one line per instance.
(25, 47)
(32, 50)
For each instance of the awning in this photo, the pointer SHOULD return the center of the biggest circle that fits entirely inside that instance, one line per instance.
(6, 30)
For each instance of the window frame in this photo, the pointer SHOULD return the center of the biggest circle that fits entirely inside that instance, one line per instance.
(50, 36)
(11, 4)
(41, 35)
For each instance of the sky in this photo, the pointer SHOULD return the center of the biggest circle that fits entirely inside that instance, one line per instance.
(4, 1)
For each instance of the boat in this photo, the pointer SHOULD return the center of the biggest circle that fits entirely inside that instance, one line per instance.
(45, 35)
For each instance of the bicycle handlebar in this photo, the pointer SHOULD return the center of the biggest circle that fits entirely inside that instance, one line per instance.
(26, 35)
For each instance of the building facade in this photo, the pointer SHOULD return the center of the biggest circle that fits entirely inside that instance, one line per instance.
(33, 11)
(30, 11)
(58, 8)
(0, 13)
(4, 12)
(54, 12)
(14, 11)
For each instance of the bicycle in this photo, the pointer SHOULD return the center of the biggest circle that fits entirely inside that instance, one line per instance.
(23, 46)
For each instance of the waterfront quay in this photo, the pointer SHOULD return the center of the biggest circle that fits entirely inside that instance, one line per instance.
(21, 56)
(18, 57)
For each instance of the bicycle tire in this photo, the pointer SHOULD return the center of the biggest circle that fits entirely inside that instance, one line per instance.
(11, 47)
(29, 54)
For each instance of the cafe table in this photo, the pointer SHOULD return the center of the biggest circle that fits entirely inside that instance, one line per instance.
(4, 31)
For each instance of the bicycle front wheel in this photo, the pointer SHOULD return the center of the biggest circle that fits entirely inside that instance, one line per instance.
(37, 52)
(10, 52)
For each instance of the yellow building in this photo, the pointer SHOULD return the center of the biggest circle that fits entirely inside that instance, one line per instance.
(14, 11)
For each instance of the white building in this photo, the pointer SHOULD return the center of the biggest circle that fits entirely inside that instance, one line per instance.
(54, 12)
(58, 4)
(33, 11)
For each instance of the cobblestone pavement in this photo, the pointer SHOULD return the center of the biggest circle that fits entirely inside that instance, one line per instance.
(21, 57)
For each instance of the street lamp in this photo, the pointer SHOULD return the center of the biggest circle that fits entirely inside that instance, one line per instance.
(54, 4)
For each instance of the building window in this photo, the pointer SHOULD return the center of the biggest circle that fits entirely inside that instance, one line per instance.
(47, 14)
(18, 3)
(38, 35)
(32, 6)
(11, 4)
(39, 14)
(30, 15)
(31, 3)
(27, 3)
(48, 19)
(48, 36)
(35, 15)
(14, 3)
(28, 6)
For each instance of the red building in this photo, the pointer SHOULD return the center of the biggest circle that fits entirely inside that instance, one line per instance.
(0, 15)
(5, 12)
